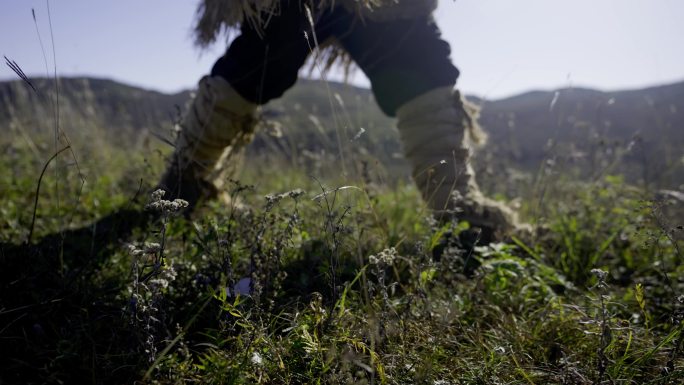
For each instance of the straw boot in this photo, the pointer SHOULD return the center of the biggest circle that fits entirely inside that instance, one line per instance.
(434, 129)
(218, 123)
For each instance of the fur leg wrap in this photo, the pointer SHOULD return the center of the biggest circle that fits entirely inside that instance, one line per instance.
(435, 128)
(218, 123)
(218, 120)
(433, 131)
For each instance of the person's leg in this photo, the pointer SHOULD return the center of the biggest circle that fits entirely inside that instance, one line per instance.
(262, 64)
(257, 67)
(413, 78)
(403, 59)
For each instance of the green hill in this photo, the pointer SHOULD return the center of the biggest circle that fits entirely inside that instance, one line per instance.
(637, 133)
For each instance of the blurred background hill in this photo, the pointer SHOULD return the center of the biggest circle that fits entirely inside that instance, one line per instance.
(636, 133)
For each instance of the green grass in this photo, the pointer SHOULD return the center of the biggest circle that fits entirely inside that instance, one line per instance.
(355, 286)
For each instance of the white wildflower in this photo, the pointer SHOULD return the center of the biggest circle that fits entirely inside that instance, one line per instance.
(600, 274)
(387, 257)
(296, 193)
(157, 195)
(257, 359)
(152, 247)
(165, 206)
(159, 283)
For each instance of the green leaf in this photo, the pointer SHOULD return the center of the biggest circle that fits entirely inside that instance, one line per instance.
(427, 275)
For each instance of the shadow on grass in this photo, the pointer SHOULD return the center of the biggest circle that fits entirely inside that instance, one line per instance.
(54, 303)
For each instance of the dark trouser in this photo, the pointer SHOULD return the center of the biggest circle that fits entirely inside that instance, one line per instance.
(402, 59)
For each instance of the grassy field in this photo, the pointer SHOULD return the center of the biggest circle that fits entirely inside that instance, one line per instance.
(353, 280)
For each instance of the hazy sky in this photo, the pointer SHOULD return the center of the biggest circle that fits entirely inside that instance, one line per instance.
(501, 46)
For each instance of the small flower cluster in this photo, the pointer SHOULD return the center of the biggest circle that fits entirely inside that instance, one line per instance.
(164, 206)
(273, 199)
(147, 294)
(386, 257)
(602, 277)
(147, 249)
(161, 281)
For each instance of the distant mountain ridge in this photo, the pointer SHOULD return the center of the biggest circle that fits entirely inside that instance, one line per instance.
(645, 128)
(642, 130)
(86, 104)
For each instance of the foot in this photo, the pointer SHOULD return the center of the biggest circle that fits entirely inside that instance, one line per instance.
(490, 220)
(184, 183)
